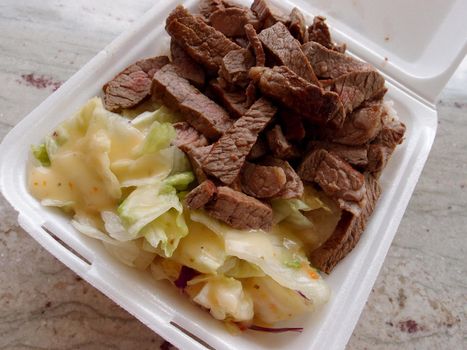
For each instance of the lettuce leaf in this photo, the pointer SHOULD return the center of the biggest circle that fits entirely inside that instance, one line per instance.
(270, 251)
(180, 181)
(40, 153)
(159, 136)
(273, 302)
(225, 298)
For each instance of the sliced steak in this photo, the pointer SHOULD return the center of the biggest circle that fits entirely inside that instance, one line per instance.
(202, 113)
(355, 155)
(294, 186)
(330, 64)
(133, 84)
(228, 154)
(197, 157)
(336, 177)
(235, 67)
(382, 148)
(188, 137)
(262, 181)
(348, 231)
(278, 144)
(187, 67)
(203, 43)
(255, 43)
(201, 195)
(319, 32)
(208, 7)
(240, 210)
(297, 26)
(286, 51)
(232, 20)
(361, 126)
(267, 13)
(259, 149)
(306, 99)
(233, 101)
(357, 87)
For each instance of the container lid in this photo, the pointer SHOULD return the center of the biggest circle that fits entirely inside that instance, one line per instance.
(418, 43)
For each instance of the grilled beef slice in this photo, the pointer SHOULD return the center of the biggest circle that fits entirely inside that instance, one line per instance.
(330, 64)
(294, 186)
(188, 137)
(197, 156)
(348, 231)
(201, 195)
(278, 144)
(256, 45)
(361, 126)
(202, 113)
(357, 87)
(229, 153)
(231, 21)
(336, 177)
(354, 155)
(320, 33)
(383, 146)
(262, 181)
(235, 67)
(297, 26)
(267, 13)
(233, 101)
(239, 210)
(286, 51)
(208, 7)
(187, 67)
(306, 99)
(203, 43)
(133, 84)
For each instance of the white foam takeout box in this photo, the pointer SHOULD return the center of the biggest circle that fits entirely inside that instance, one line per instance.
(416, 44)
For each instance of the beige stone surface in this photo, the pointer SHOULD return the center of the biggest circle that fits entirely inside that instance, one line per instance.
(418, 302)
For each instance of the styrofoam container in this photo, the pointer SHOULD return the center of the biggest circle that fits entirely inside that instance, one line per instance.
(419, 63)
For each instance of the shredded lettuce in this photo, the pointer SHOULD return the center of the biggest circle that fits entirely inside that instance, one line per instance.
(273, 302)
(180, 181)
(225, 299)
(40, 153)
(159, 136)
(268, 251)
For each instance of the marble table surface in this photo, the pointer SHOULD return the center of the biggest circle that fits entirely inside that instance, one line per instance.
(419, 300)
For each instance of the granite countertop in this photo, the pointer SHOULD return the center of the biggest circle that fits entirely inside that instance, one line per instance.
(419, 300)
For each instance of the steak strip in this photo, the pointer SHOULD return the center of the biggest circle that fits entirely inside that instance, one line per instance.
(336, 177)
(348, 231)
(202, 42)
(256, 45)
(306, 99)
(262, 181)
(286, 51)
(133, 84)
(330, 64)
(202, 113)
(229, 153)
(187, 67)
(240, 210)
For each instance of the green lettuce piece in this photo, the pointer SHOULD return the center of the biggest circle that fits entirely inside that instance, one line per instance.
(166, 231)
(145, 204)
(40, 153)
(290, 210)
(160, 136)
(180, 181)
